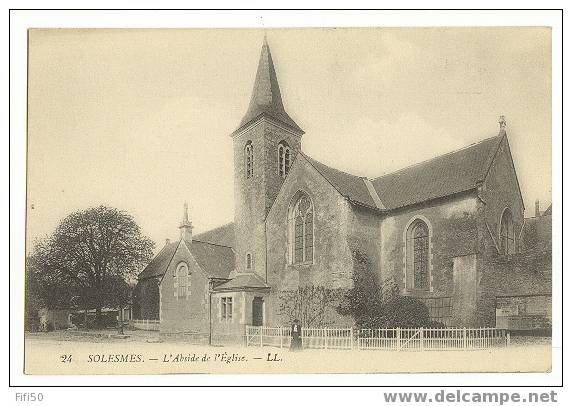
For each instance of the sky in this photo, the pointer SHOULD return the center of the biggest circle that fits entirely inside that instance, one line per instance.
(140, 119)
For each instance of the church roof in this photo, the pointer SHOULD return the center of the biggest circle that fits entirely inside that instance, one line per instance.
(223, 235)
(447, 174)
(158, 265)
(266, 99)
(216, 260)
(350, 186)
(243, 281)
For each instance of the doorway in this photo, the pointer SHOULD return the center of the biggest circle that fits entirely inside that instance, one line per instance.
(257, 311)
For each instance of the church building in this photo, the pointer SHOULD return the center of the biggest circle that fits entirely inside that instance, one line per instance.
(440, 230)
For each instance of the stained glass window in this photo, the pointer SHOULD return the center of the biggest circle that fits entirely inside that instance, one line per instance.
(507, 245)
(303, 230)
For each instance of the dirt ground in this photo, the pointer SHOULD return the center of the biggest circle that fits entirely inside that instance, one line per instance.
(145, 352)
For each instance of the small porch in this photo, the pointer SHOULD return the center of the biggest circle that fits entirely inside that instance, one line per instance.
(235, 304)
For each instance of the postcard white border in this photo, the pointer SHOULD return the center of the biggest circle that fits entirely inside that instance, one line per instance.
(22, 20)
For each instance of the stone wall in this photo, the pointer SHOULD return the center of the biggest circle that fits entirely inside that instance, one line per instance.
(498, 273)
(184, 314)
(146, 299)
(254, 196)
(527, 273)
(453, 229)
(232, 330)
(334, 225)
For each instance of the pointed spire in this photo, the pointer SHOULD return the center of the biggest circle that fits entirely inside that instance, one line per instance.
(266, 98)
(186, 226)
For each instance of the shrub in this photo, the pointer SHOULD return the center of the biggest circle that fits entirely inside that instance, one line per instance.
(406, 312)
(377, 304)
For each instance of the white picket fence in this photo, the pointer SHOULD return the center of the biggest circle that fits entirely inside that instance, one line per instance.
(399, 339)
(152, 325)
(448, 338)
(336, 338)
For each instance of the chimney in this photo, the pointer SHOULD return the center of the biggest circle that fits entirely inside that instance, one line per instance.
(537, 208)
(186, 226)
(167, 241)
(502, 125)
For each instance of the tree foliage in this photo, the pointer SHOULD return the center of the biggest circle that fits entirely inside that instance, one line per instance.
(93, 255)
(310, 304)
(377, 304)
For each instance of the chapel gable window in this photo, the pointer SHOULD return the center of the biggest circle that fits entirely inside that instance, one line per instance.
(418, 255)
(507, 245)
(182, 281)
(301, 230)
(284, 158)
(249, 159)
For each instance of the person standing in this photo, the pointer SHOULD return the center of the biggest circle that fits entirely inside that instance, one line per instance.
(296, 334)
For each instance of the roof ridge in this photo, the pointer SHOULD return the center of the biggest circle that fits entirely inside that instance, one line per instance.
(216, 228)
(331, 167)
(210, 243)
(169, 262)
(474, 144)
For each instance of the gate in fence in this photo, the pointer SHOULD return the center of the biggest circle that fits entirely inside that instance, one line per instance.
(337, 338)
(399, 339)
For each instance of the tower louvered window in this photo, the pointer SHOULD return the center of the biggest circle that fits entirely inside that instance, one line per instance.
(284, 158)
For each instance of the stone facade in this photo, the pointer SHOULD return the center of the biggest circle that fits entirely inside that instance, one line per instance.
(255, 195)
(452, 234)
(457, 200)
(184, 314)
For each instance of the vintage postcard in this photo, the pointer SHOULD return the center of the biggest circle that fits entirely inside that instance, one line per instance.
(351, 200)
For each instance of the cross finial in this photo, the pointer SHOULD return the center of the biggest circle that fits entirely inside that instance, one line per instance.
(186, 213)
(186, 226)
(502, 122)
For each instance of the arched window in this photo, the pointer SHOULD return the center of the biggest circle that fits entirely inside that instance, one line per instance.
(418, 255)
(249, 159)
(249, 261)
(284, 158)
(182, 282)
(507, 233)
(301, 230)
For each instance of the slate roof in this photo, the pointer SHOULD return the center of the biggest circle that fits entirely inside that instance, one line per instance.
(447, 174)
(160, 262)
(349, 186)
(223, 235)
(216, 260)
(266, 99)
(244, 280)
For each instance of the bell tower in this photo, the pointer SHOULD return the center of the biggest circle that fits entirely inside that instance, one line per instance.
(265, 144)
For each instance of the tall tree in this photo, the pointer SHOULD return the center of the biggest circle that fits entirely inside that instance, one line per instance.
(88, 254)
